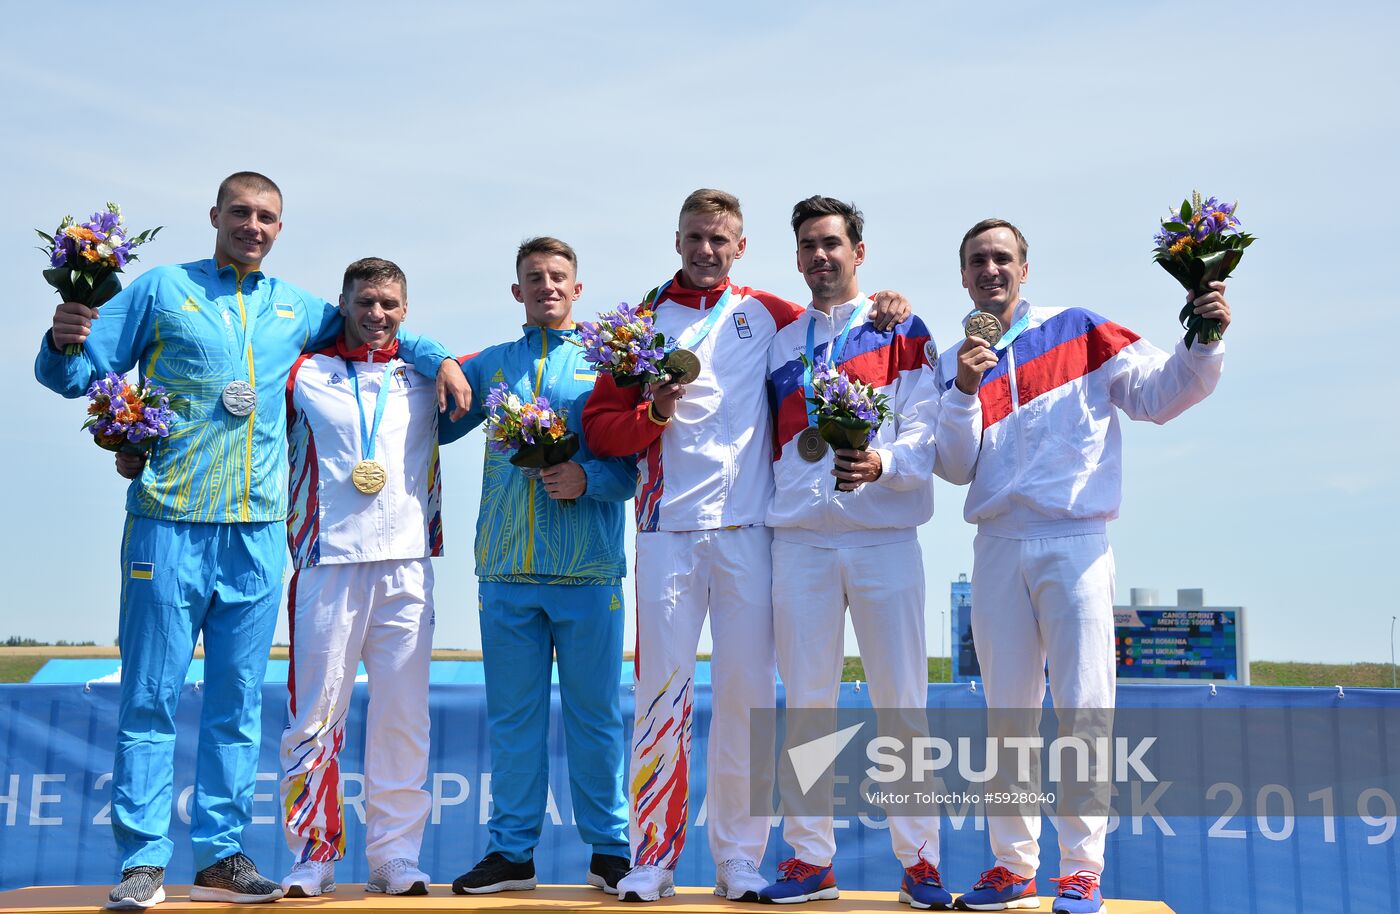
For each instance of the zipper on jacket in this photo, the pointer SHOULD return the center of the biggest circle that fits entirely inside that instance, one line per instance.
(529, 563)
(252, 381)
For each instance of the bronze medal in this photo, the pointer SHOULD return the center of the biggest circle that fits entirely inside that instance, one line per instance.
(811, 446)
(683, 366)
(984, 325)
(368, 476)
(239, 398)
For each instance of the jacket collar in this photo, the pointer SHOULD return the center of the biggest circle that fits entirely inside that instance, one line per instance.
(363, 353)
(699, 299)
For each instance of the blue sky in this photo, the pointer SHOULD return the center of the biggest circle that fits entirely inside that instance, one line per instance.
(441, 134)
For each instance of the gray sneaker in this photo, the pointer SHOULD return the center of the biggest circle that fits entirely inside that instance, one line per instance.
(234, 879)
(399, 876)
(140, 888)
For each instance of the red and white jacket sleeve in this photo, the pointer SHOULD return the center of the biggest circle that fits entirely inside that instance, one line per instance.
(617, 420)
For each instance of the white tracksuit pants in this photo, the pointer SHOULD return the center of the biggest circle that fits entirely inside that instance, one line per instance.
(680, 577)
(381, 613)
(884, 588)
(1035, 600)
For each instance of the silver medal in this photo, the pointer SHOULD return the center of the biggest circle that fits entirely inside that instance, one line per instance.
(239, 398)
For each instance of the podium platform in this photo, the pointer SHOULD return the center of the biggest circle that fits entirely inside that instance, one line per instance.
(550, 899)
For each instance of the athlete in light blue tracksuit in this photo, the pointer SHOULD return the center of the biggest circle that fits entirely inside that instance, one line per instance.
(550, 562)
(204, 543)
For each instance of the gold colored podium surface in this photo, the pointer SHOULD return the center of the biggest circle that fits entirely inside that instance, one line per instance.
(547, 898)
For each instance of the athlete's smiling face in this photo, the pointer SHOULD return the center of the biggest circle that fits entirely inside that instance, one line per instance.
(993, 270)
(548, 288)
(828, 259)
(708, 243)
(373, 313)
(246, 222)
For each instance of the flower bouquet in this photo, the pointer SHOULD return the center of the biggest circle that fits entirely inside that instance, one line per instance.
(128, 417)
(848, 412)
(1200, 244)
(85, 258)
(625, 343)
(533, 433)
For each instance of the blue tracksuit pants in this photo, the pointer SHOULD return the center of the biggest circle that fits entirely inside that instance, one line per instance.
(524, 627)
(180, 581)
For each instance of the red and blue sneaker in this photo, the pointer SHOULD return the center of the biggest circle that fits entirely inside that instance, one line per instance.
(923, 887)
(798, 882)
(997, 890)
(1079, 894)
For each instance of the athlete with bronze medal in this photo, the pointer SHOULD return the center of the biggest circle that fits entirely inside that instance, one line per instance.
(682, 364)
(811, 446)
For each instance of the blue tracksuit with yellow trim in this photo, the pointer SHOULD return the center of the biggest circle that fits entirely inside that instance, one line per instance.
(204, 544)
(550, 577)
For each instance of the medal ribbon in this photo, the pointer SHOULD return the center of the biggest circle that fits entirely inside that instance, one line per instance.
(832, 354)
(704, 329)
(248, 319)
(1010, 335)
(367, 435)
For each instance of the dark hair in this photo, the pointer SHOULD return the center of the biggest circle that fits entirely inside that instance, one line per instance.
(817, 207)
(986, 225)
(376, 271)
(713, 202)
(543, 244)
(246, 180)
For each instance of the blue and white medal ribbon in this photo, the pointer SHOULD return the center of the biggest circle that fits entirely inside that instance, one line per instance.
(810, 444)
(368, 475)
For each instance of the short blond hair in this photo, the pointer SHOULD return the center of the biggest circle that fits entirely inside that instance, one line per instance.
(713, 202)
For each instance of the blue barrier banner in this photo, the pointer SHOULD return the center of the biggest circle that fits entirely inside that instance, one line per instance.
(1267, 852)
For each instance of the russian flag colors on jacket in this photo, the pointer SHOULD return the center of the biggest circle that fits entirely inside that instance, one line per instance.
(1040, 441)
(898, 362)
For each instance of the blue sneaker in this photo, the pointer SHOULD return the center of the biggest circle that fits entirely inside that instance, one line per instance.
(997, 890)
(799, 882)
(1079, 894)
(923, 887)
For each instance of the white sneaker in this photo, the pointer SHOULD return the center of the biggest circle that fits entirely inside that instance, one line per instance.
(399, 876)
(738, 880)
(646, 883)
(310, 878)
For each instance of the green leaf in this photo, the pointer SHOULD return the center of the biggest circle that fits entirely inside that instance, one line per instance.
(1186, 211)
(1175, 226)
(48, 238)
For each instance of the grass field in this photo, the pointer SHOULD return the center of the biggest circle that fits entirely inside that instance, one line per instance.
(18, 664)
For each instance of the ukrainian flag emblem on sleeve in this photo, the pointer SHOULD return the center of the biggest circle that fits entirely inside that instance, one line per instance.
(142, 571)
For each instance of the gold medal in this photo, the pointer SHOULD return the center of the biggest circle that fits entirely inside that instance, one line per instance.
(368, 476)
(683, 366)
(984, 325)
(811, 446)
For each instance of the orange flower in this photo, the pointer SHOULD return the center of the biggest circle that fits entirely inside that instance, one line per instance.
(78, 233)
(89, 255)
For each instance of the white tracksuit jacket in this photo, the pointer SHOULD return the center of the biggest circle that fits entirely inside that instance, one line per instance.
(898, 363)
(330, 520)
(1040, 440)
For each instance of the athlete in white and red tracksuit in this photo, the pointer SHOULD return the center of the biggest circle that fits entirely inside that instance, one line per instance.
(362, 590)
(1033, 426)
(704, 487)
(704, 451)
(853, 548)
